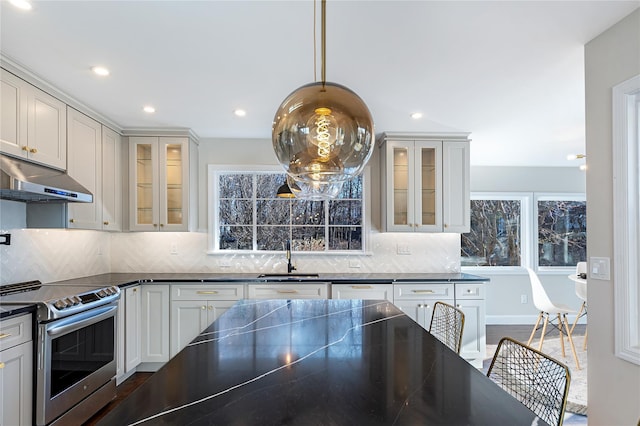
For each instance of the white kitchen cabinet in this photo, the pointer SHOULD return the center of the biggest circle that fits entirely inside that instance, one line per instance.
(16, 371)
(417, 299)
(111, 180)
(33, 123)
(163, 183)
(275, 290)
(470, 298)
(425, 179)
(133, 321)
(362, 291)
(94, 160)
(194, 306)
(154, 325)
(120, 377)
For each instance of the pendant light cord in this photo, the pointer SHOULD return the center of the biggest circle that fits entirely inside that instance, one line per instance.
(323, 41)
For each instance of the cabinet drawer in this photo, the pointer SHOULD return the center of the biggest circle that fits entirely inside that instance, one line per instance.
(207, 292)
(15, 331)
(423, 291)
(288, 291)
(362, 291)
(469, 291)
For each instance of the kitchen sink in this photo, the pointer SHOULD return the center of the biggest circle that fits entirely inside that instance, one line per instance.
(285, 276)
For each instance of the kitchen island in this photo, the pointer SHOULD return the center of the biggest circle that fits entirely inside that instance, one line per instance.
(317, 362)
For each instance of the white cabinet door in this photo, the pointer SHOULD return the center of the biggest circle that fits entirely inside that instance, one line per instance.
(85, 166)
(32, 123)
(418, 310)
(188, 319)
(111, 180)
(456, 187)
(474, 335)
(362, 291)
(133, 321)
(155, 323)
(159, 179)
(16, 385)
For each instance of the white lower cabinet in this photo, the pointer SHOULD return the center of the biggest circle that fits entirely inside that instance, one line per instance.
(133, 320)
(154, 325)
(416, 300)
(16, 371)
(310, 290)
(195, 306)
(362, 291)
(471, 300)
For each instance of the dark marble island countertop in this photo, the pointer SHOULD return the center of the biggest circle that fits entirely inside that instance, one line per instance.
(317, 362)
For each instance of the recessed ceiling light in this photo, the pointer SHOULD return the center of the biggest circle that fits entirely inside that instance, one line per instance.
(101, 71)
(240, 112)
(416, 115)
(149, 109)
(21, 4)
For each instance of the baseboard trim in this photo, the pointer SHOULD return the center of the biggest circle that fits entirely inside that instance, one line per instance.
(521, 320)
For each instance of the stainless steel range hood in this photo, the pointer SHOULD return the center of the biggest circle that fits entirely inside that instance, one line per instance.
(33, 183)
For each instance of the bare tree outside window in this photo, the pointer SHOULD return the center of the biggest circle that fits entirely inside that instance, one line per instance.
(251, 217)
(562, 232)
(495, 236)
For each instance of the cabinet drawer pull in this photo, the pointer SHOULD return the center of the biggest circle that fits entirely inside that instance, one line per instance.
(423, 291)
(206, 292)
(3, 335)
(361, 287)
(287, 291)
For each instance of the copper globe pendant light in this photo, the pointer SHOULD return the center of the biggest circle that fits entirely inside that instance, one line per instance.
(322, 134)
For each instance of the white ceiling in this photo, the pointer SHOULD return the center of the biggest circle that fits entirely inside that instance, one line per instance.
(509, 72)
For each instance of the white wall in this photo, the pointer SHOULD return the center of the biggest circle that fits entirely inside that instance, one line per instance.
(614, 384)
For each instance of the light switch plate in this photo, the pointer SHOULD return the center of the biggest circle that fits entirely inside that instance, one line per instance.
(403, 249)
(599, 268)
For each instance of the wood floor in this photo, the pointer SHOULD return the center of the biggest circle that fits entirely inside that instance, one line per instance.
(494, 334)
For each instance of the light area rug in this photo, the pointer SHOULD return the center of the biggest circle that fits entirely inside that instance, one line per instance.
(577, 400)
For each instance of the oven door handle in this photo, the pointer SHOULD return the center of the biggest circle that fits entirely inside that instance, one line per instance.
(84, 319)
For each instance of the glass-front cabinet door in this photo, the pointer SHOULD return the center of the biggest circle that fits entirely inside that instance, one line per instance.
(159, 176)
(414, 198)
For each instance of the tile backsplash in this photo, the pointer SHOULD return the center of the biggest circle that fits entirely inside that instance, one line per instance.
(55, 254)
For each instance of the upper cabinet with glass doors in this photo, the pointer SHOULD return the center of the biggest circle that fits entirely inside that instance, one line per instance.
(163, 183)
(425, 182)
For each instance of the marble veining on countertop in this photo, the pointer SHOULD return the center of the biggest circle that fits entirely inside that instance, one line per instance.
(317, 362)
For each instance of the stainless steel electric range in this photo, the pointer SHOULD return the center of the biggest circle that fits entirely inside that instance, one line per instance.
(75, 349)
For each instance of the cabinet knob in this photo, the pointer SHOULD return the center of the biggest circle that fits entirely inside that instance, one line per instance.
(106, 222)
(469, 290)
(33, 150)
(25, 148)
(203, 307)
(72, 221)
(1, 365)
(211, 308)
(155, 225)
(135, 290)
(458, 306)
(161, 225)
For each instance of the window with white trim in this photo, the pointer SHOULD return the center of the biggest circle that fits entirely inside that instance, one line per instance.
(249, 217)
(561, 230)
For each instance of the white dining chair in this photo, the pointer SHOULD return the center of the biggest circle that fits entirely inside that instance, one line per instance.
(550, 311)
(581, 292)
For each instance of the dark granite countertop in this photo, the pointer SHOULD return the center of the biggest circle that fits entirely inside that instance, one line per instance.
(318, 362)
(124, 279)
(7, 311)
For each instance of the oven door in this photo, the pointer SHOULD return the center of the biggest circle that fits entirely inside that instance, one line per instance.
(76, 356)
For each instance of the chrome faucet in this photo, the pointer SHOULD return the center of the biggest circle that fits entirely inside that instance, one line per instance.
(290, 267)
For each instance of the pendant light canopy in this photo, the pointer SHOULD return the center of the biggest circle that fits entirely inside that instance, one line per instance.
(322, 135)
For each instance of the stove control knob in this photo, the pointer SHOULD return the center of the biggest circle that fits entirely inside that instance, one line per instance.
(68, 301)
(107, 291)
(101, 293)
(60, 304)
(76, 300)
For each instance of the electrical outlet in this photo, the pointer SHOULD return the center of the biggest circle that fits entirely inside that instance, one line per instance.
(354, 264)
(524, 299)
(174, 248)
(403, 249)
